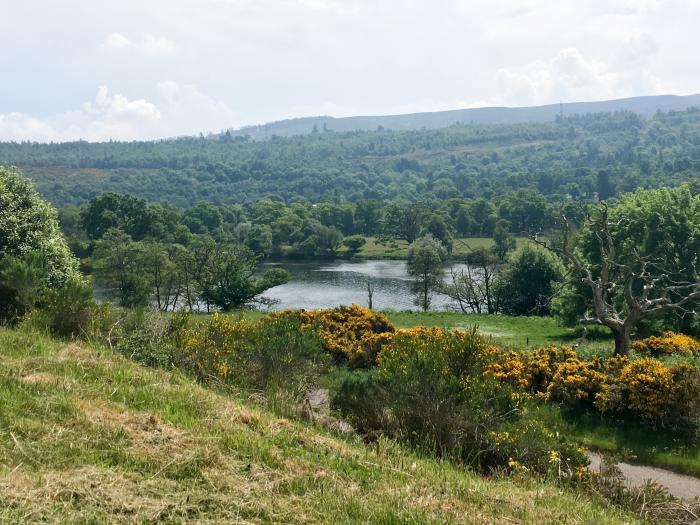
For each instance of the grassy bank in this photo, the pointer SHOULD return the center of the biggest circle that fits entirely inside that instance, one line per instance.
(88, 436)
(397, 249)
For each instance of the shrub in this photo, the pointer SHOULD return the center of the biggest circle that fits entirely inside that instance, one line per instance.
(576, 381)
(525, 286)
(352, 334)
(532, 371)
(272, 353)
(667, 344)
(67, 311)
(362, 400)
(434, 395)
(28, 226)
(646, 387)
(146, 336)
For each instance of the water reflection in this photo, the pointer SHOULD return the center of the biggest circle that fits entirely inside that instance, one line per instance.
(329, 284)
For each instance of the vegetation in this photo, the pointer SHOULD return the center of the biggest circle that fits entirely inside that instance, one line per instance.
(632, 264)
(578, 155)
(34, 257)
(512, 399)
(425, 259)
(125, 441)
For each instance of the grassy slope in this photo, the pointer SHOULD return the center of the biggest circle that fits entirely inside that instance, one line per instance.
(88, 436)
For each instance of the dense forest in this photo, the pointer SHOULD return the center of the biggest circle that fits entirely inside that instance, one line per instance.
(582, 157)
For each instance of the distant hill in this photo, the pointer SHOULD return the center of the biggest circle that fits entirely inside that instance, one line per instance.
(491, 115)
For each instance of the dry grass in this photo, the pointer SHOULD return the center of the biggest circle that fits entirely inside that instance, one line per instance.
(89, 437)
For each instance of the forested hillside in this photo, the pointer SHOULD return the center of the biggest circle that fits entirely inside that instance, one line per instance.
(577, 156)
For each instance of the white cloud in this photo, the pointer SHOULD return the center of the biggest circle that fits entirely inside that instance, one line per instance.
(272, 59)
(179, 110)
(117, 41)
(571, 77)
(147, 42)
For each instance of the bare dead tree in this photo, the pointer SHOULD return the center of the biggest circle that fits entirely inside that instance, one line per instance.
(648, 287)
(370, 292)
(473, 287)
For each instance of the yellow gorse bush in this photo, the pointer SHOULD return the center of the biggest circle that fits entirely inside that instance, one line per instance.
(351, 333)
(576, 380)
(668, 343)
(645, 387)
(649, 384)
(213, 347)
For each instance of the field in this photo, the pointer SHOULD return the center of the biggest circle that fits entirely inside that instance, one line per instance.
(90, 437)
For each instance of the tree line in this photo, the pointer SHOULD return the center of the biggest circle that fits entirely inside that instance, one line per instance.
(584, 157)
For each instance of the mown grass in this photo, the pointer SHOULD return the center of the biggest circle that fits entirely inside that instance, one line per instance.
(87, 436)
(397, 249)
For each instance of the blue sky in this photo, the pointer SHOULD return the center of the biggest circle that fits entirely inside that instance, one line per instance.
(128, 69)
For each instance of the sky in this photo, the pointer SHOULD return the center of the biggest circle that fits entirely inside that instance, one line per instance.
(143, 69)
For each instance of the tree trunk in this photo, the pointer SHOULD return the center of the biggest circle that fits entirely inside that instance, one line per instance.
(622, 340)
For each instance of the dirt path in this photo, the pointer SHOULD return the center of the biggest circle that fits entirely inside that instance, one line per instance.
(681, 486)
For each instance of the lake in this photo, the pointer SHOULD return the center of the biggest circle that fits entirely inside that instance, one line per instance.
(329, 284)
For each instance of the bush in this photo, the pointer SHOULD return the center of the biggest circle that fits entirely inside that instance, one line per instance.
(67, 311)
(351, 334)
(29, 231)
(576, 381)
(646, 387)
(525, 286)
(269, 354)
(149, 337)
(429, 390)
(668, 344)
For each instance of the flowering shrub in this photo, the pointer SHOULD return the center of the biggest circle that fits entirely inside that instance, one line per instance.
(271, 352)
(645, 387)
(668, 343)
(509, 367)
(576, 380)
(433, 393)
(649, 383)
(532, 371)
(350, 333)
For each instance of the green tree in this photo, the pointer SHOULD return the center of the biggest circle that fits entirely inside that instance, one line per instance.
(425, 264)
(438, 228)
(503, 241)
(354, 243)
(403, 222)
(113, 210)
(29, 226)
(635, 263)
(527, 283)
(260, 239)
(120, 265)
(204, 218)
(229, 280)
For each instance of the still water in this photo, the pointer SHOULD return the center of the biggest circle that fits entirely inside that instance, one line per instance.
(328, 284)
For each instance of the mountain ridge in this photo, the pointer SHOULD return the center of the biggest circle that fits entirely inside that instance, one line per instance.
(643, 105)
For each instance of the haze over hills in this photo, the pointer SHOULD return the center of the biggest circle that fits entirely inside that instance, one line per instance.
(647, 105)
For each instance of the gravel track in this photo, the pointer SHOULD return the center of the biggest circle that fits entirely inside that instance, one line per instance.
(680, 485)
